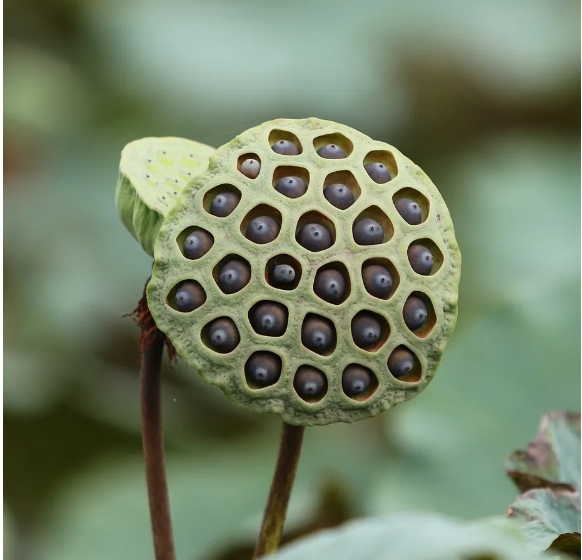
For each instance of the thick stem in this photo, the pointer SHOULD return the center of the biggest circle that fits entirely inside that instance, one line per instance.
(280, 493)
(152, 350)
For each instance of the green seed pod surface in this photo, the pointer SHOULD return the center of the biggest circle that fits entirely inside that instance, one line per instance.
(260, 198)
(152, 174)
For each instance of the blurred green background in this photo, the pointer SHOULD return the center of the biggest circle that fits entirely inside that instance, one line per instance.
(484, 96)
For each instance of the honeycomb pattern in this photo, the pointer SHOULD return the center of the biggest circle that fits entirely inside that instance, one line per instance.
(330, 322)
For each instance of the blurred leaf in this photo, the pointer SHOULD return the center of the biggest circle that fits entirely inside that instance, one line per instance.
(9, 533)
(397, 537)
(549, 518)
(552, 459)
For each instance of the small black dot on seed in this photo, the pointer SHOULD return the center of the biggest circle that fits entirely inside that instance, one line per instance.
(262, 229)
(317, 334)
(401, 362)
(415, 313)
(377, 280)
(263, 368)
(356, 380)
(197, 244)
(378, 172)
(310, 383)
(409, 210)
(368, 231)
(270, 318)
(189, 296)
(250, 168)
(315, 237)
(224, 204)
(366, 330)
(285, 148)
(339, 195)
(234, 276)
(330, 285)
(331, 151)
(420, 258)
(291, 187)
(223, 335)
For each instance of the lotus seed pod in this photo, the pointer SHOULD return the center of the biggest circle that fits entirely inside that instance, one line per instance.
(152, 174)
(330, 361)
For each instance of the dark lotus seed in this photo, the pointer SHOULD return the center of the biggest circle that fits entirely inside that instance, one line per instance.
(263, 368)
(270, 319)
(250, 168)
(263, 229)
(401, 362)
(291, 187)
(310, 383)
(223, 335)
(284, 274)
(189, 296)
(339, 195)
(315, 237)
(409, 210)
(197, 244)
(415, 313)
(378, 172)
(317, 334)
(355, 380)
(420, 259)
(330, 285)
(368, 232)
(285, 148)
(366, 330)
(331, 151)
(234, 276)
(223, 204)
(377, 280)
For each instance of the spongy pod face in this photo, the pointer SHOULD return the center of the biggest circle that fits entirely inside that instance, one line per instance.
(317, 305)
(152, 174)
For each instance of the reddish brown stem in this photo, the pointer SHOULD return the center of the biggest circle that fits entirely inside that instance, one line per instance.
(280, 493)
(153, 447)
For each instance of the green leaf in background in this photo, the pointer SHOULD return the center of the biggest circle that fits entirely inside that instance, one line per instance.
(552, 459)
(548, 471)
(549, 518)
(410, 536)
